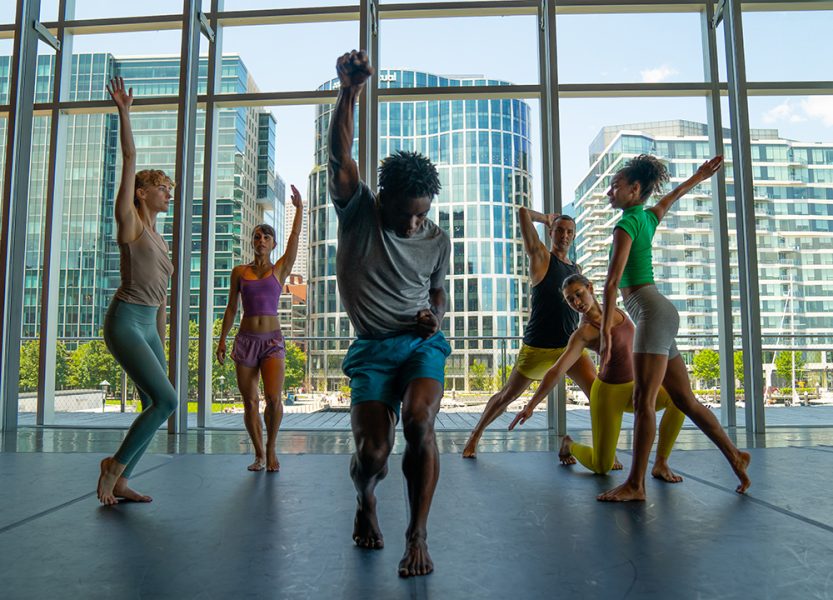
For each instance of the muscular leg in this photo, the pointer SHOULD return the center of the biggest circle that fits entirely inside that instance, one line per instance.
(679, 388)
(496, 406)
(373, 425)
(421, 465)
(607, 404)
(669, 428)
(649, 370)
(583, 373)
(247, 380)
(272, 372)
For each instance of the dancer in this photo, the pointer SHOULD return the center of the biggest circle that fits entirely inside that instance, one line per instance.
(656, 359)
(551, 322)
(391, 266)
(612, 392)
(134, 326)
(259, 347)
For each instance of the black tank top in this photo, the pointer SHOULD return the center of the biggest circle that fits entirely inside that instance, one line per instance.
(551, 320)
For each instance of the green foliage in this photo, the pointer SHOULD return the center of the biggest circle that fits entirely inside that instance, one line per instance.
(92, 363)
(738, 359)
(706, 365)
(29, 358)
(784, 365)
(478, 379)
(296, 362)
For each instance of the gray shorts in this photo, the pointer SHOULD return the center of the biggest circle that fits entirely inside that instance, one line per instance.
(656, 320)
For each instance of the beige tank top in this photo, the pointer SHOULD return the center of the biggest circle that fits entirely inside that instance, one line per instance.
(145, 270)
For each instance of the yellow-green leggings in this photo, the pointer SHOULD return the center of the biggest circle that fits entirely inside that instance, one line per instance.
(608, 401)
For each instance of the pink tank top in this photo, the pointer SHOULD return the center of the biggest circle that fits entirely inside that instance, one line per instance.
(619, 369)
(260, 296)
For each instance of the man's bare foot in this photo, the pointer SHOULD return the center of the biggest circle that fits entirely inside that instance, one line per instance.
(366, 532)
(739, 466)
(109, 475)
(662, 471)
(617, 465)
(122, 490)
(470, 451)
(272, 464)
(623, 493)
(565, 452)
(416, 560)
(257, 465)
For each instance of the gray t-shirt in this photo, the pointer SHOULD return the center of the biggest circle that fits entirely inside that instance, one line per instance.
(384, 279)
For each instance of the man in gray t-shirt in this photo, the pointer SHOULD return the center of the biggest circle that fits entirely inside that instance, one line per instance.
(391, 266)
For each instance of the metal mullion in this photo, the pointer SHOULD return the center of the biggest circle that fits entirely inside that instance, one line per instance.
(271, 98)
(118, 24)
(750, 305)
(283, 16)
(205, 392)
(15, 199)
(183, 213)
(368, 111)
(100, 106)
(627, 6)
(433, 10)
(781, 88)
(786, 5)
(632, 90)
(474, 92)
(720, 226)
(53, 216)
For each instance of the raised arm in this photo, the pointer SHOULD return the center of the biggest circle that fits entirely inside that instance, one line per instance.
(706, 170)
(229, 314)
(353, 70)
(129, 227)
(532, 243)
(622, 243)
(580, 339)
(287, 261)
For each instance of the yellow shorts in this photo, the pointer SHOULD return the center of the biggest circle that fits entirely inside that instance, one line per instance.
(533, 363)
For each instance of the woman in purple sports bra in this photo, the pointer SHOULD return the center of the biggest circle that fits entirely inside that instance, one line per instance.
(259, 346)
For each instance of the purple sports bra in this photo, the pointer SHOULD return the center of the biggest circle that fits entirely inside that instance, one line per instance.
(260, 296)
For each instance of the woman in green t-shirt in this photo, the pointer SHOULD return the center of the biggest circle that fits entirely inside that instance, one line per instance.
(656, 359)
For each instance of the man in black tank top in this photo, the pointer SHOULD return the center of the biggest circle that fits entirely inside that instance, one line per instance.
(551, 320)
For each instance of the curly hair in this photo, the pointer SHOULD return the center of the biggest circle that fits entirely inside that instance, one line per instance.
(408, 175)
(648, 171)
(150, 178)
(575, 278)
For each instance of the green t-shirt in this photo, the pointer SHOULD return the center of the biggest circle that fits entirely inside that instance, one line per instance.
(640, 224)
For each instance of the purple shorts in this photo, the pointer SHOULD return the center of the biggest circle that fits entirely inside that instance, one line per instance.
(250, 349)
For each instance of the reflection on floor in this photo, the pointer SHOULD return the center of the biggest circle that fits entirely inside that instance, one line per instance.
(507, 525)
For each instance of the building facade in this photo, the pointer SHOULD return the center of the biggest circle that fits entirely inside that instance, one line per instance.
(482, 151)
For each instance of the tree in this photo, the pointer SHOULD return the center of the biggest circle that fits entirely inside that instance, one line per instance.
(784, 366)
(738, 357)
(296, 360)
(29, 358)
(92, 363)
(706, 365)
(477, 375)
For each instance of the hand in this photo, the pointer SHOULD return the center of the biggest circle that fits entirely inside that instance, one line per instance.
(549, 220)
(605, 345)
(354, 69)
(427, 323)
(296, 198)
(122, 99)
(221, 351)
(708, 168)
(522, 416)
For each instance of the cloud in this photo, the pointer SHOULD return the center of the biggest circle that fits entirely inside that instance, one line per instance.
(657, 74)
(783, 112)
(819, 107)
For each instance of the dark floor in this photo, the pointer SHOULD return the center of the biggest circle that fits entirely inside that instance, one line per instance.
(508, 525)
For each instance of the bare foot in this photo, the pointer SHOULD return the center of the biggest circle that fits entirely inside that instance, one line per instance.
(257, 465)
(626, 492)
(272, 463)
(617, 465)
(109, 475)
(739, 467)
(565, 452)
(366, 532)
(416, 560)
(662, 471)
(122, 490)
(470, 451)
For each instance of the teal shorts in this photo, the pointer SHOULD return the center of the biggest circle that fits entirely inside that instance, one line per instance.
(381, 369)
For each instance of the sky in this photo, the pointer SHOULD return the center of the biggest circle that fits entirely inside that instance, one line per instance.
(591, 49)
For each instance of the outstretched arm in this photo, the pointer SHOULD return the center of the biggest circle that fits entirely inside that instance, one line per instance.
(231, 312)
(353, 70)
(706, 170)
(578, 342)
(127, 219)
(287, 261)
(622, 243)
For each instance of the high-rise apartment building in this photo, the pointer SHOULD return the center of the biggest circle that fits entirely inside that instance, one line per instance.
(482, 151)
(794, 221)
(248, 189)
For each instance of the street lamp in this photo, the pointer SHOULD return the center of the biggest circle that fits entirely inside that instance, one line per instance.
(222, 381)
(105, 387)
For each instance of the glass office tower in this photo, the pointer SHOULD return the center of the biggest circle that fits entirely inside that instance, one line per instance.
(482, 151)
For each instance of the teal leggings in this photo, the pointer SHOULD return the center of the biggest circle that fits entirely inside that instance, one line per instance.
(132, 338)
